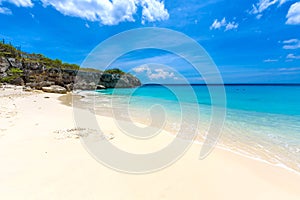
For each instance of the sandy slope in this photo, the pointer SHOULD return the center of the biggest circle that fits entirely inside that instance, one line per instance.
(42, 159)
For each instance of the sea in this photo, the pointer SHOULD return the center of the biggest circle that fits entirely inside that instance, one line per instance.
(260, 121)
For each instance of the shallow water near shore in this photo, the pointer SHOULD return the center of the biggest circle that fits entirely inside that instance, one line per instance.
(262, 122)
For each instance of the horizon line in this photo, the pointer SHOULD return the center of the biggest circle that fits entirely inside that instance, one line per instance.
(227, 84)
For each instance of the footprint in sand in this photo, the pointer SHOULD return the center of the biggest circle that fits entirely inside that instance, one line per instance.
(77, 133)
(8, 113)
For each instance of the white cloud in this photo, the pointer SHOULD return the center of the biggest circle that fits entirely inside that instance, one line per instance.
(219, 24)
(5, 11)
(290, 41)
(281, 2)
(231, 25)
(87, 25)
(292, 56)
(291, 44)
(259, 16)
(154, 10)
(19, 3)
(141, 69)
(107, 12)
(110, 12)
(104, 11)
(270, 60)
(290, 69)
(262, 5)
(161, 74)
(293, 16)
(156, 73)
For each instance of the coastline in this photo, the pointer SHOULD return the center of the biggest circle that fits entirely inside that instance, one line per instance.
(40, 166)
(267, 133)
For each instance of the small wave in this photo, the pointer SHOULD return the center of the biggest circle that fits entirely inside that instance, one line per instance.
(267, 137)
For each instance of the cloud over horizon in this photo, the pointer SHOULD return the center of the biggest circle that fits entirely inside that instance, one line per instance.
(155, 74)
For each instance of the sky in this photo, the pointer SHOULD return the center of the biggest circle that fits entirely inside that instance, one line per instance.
(250, 41)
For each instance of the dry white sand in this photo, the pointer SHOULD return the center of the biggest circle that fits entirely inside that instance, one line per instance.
(42, 158)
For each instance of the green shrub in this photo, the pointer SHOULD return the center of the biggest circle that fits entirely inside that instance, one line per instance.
(90, 70)
(15, 71)
(12, 74)
(7, 79)
(114, 71)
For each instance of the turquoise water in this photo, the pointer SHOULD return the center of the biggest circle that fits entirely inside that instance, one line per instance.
(262, 121)
(266, 99)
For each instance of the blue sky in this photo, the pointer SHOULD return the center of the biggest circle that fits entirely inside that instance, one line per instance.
(254, 41)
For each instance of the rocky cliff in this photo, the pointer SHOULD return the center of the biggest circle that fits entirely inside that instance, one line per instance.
(36, 75)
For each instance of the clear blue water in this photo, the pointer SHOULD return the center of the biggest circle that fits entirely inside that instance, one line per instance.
(261, 122)
(266, 99)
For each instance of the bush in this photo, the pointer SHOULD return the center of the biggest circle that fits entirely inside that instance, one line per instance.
(13, 73)
(90, 70)
(114, 71)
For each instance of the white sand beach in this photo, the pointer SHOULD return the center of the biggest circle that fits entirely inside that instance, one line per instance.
(42, 158)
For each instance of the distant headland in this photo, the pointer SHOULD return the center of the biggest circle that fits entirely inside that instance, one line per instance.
(36, 71)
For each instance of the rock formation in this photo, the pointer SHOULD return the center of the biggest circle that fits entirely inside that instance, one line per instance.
(55, 89)
(37, 76)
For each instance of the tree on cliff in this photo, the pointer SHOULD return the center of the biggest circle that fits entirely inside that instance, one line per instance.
(114, 71)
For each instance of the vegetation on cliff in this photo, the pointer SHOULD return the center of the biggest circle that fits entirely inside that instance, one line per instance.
(38, 71)
(114, 71)
(13, 73)
(9, 51)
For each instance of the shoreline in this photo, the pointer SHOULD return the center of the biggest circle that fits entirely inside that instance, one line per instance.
(40, 166)
(239, 150)
(279, 165)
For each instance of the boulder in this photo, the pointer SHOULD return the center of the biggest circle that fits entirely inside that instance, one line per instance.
(35, 67)
(100, 87)
(32, 85)
(4, 65)
(18, 81)
(27, 89)
(40, 85)
(69, 87)
(119, 81)
(14, 63)
(55, 89)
